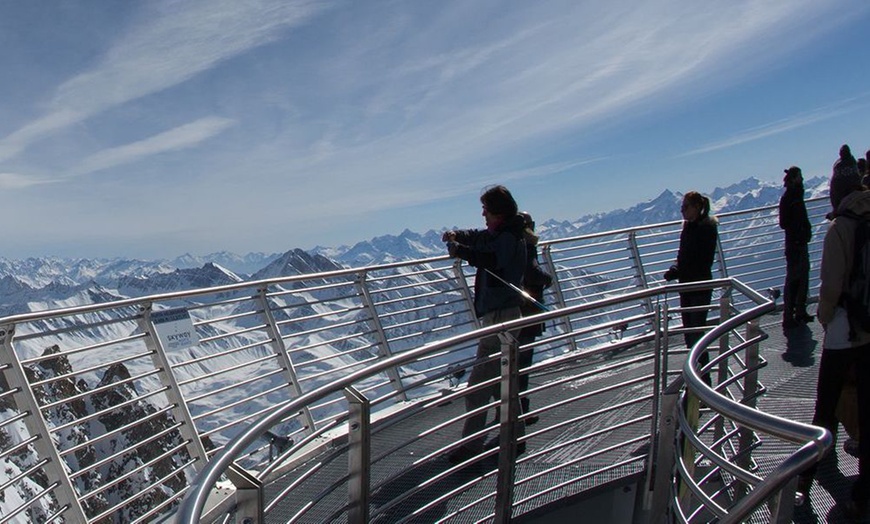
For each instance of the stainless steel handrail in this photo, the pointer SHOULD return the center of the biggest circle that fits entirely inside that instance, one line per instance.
(813, 441)
(195, 501)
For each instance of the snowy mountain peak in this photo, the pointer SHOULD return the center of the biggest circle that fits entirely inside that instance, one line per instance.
(296, 262)
(208, 275)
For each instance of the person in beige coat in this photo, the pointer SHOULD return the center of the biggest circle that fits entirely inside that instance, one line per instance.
(844, 345)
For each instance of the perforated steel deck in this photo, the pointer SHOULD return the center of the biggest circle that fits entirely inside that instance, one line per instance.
(790, 378)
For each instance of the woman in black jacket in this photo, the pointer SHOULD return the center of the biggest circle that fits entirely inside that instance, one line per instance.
(698, 241)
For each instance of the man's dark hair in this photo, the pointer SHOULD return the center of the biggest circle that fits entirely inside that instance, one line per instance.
(499, 201)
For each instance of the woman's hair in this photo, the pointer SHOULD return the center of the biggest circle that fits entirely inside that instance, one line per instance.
(700, 201)
(529, 228)
(499, 201)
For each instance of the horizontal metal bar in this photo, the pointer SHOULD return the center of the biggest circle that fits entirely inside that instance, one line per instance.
(216, 355)
(195, 398)
(236, 367)
(117, 431)
(89, 369)
(118, 454)
(12, 515)
(83, 349)
(239, 402)
(99, 389)
(58, 429)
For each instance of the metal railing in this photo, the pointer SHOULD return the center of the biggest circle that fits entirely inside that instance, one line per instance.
(712, 431)
(577, 445)
(108, 412)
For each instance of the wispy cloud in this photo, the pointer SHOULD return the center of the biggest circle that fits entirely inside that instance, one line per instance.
(780, 126)
(161, 52)
(18, 181)
(521, 79)
(340, 107)
(181, 137)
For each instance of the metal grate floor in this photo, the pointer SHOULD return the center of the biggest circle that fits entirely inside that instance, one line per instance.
(790, 378)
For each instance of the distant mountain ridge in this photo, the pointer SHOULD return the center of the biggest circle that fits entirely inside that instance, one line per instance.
(45, 283)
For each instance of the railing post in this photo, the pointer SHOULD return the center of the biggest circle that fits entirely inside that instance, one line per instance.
(557, 290)
(509, 429)
(655, 431)
(466, 290)
(161, 362)
(358, 456)
(280, 349)
(666, 341)
(662, 485)
(750, 387)
(640, 274)
(723, 267)
(37, 426)
(249, 496)
(692, 412)
(383, 343)
(782, 505)
(724, 346)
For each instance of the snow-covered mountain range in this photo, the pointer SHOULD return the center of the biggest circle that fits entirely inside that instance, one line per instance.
(34, 284)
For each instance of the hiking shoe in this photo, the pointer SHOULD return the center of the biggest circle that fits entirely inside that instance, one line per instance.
(802, 492)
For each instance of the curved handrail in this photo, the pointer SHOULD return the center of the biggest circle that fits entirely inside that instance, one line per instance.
(194, 502)
(816, 441)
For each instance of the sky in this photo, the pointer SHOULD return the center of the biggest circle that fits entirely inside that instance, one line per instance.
(154, 129)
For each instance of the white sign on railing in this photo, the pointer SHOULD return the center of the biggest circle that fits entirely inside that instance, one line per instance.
(174, 328)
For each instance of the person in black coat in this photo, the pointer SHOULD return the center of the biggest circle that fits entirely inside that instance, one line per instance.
(535, 281)
(499, 254)
(698, 241)
(845, 176)
(798, 231)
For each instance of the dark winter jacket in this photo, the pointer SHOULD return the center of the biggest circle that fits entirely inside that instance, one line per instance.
(844, 180)
(502, 251)
(793, 216)
(535, 281)
(697, 248)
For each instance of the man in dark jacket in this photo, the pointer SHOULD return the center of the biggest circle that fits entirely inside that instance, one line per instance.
(844, 177)
(499, 254)
(793, 219)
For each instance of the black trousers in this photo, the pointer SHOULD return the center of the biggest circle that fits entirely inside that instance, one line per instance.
(797, 280)
(696, 319)
(833, 370)
(483, 371)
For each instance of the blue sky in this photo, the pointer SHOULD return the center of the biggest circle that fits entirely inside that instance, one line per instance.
(153, 129)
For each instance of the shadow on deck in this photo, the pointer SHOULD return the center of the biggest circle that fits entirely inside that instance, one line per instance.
(790, 377)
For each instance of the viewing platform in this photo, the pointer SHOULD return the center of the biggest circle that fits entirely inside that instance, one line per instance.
(337, 397)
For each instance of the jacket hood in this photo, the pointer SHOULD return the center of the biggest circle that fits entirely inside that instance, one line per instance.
(857, 202)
